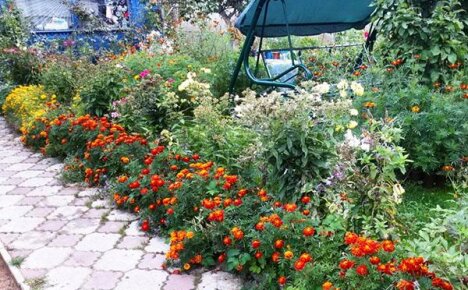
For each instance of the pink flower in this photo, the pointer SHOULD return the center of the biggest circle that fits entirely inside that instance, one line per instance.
(144, 73)
(366, 34)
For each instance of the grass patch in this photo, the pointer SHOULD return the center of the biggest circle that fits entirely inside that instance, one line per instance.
(418, 203)
(17, 261)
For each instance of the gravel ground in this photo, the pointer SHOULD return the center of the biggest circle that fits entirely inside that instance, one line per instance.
(6, 280)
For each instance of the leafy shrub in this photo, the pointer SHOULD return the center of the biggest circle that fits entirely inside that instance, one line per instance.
(13, 31)
(433, 121)
(297, 149)
(432, 30)
(61, 76)
(103, 86)
(22, 66)
(216, 136)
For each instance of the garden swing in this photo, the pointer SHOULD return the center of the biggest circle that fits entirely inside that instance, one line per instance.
(286, 18)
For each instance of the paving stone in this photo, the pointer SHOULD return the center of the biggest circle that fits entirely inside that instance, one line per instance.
(21, 225)
(103, 280)
(9, 200)
(100, 203)
(51, 225)
(32, 200)
(98, 242)
(47, 174)
(40, 212)
(111, 227)
(118, 260)
(14, 211)
(219, 281)
(180, 282)
(68, 191)
(55, 168)
(21, 190)
(118, 215)
(132, 242)
(30, 274)
(157, 245)
(83, 259)
(142, 280)
(95, 213)
(47, 258)
(19, 253)
(63, 240)
(6, 188)
(37, 181)
(12, 159)
(152, 262)
(6, 174)
(81, 226)
(27, 174)
(68, 212)
(57, 200)
(8, 238)
(48, 161)
(40, 167)
(88, 192)
(13, 181)
(80, 202)
(67, 278)
(44, 191)
(32, 240)
(134, 229)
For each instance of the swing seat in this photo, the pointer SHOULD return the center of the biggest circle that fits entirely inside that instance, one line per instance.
(286, 18)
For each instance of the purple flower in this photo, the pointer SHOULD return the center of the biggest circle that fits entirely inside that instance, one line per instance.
(68, 43)
(115, 115)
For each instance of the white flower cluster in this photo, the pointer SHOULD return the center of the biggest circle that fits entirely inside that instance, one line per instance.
(194, 88)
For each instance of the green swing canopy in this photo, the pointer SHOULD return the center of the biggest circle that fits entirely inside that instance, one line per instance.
(305, 17)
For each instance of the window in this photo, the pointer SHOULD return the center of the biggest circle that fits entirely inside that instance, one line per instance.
(56, 15)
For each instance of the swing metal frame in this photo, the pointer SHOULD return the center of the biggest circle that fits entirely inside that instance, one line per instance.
(296, 64)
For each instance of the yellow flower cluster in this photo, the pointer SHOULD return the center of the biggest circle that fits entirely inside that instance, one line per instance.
(26, 103)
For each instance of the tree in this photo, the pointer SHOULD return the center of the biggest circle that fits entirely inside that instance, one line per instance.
(193, 9)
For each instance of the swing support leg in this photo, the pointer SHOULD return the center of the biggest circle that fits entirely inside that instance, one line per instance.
(248, 44)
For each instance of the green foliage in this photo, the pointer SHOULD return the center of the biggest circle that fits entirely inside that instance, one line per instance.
(103, 85)
(216, 136)
(434, 122)
(62, 77)
(13, 31)
(21, 66)
(432, 30)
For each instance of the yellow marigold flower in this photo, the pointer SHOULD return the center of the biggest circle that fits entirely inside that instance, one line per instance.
(415, 109)
(186, 266)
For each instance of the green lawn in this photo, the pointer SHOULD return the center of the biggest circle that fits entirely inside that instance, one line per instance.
(417, 205)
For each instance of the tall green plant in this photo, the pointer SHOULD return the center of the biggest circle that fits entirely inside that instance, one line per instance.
(433, 31)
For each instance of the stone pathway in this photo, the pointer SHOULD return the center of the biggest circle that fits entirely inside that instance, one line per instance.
(57, 236)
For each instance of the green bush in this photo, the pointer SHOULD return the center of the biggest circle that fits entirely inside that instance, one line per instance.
(62, 77)
(102, 86)
(434, 31)
(434, 122)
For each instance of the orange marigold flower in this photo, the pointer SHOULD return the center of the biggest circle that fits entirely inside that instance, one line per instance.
(405, 285)
(327, 285)
(288, 255)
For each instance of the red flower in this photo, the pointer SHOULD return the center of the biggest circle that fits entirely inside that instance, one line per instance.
(279, 244)
(362, 270)
(346, 264)
(282, 280)
(308, 231)
(374, 260)
(305, 199)
(350, 238)
(256, 244)
(405, 285)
